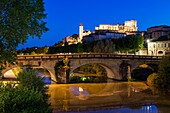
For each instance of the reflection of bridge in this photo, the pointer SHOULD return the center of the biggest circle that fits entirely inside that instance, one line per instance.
(113, 63)
(100, 96)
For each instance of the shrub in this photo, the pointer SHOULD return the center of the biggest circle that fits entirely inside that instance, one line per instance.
(152, 79)
(163, 80)
(16, 99)
(31, 80)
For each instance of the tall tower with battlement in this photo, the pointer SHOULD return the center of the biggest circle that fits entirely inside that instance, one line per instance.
(81, 31)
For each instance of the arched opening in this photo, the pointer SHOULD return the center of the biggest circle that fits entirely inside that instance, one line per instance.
(167, 53)
(9, 75)
(89, 73)
(42, 72)
(141, 72)
(160, 52)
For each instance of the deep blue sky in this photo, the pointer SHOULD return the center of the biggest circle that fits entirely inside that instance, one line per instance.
(64, 16)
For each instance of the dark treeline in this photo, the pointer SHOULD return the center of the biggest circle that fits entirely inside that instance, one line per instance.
(126, 44)
(130, 43)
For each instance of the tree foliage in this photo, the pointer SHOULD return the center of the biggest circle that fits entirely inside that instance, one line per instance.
(29, 96)
(104, 46)
(30, 79)
(163, 81)
(16, 99)
(126, 44)
(129, 43)
(19, 19)
(151, 79)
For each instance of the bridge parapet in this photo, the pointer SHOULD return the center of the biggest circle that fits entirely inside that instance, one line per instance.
(86, 56)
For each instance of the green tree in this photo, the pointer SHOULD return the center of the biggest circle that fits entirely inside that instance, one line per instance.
(163, 81)
(45, 50)
(79, 48)
(136, 42)
(98, 47)
(109, 46)
(19, 19)
(30, 79)
(16, 99)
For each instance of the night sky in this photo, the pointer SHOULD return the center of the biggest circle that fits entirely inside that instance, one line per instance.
(64, 16)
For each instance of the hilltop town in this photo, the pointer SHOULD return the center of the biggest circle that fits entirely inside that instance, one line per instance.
(156, 38)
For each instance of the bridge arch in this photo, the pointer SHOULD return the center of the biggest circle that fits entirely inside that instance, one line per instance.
(143, 70)
(111, 73)
(50, 75)
(149, 65)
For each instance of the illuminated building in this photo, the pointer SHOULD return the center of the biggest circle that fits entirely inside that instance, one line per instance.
(129, 26)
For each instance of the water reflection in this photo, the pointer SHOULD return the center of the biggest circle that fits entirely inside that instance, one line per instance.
(143, 109)
(79, 92)
(99, 96)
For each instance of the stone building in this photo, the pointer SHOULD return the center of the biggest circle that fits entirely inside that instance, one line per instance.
(161, 46)
(158, 31)
(128, 26)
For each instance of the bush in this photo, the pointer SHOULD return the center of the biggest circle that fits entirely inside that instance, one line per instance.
(16, 99)
(31, 80)
(152, 79)
(163, 81)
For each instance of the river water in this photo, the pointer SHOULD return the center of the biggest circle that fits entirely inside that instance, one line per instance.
(115, 97)
(111, 97)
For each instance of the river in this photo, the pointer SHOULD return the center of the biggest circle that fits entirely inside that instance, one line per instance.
(113, 97)
(110, 97)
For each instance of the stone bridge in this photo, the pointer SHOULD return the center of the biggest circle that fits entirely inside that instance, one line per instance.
(113, 63)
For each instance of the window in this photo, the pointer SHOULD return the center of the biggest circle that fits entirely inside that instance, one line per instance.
(158, 45)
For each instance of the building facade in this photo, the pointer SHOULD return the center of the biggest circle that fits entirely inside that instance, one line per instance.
(158, 31)
(70, 40)
(128, 26)
(159, 47)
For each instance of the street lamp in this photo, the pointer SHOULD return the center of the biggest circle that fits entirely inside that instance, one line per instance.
(148, 40)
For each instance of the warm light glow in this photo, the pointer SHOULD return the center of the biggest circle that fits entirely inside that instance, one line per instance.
(148, 40)
(80, 89)
(144, 66)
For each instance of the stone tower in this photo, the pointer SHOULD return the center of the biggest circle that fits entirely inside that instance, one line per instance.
(81, 31)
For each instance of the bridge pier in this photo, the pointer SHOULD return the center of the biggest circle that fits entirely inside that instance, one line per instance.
(129, 73)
